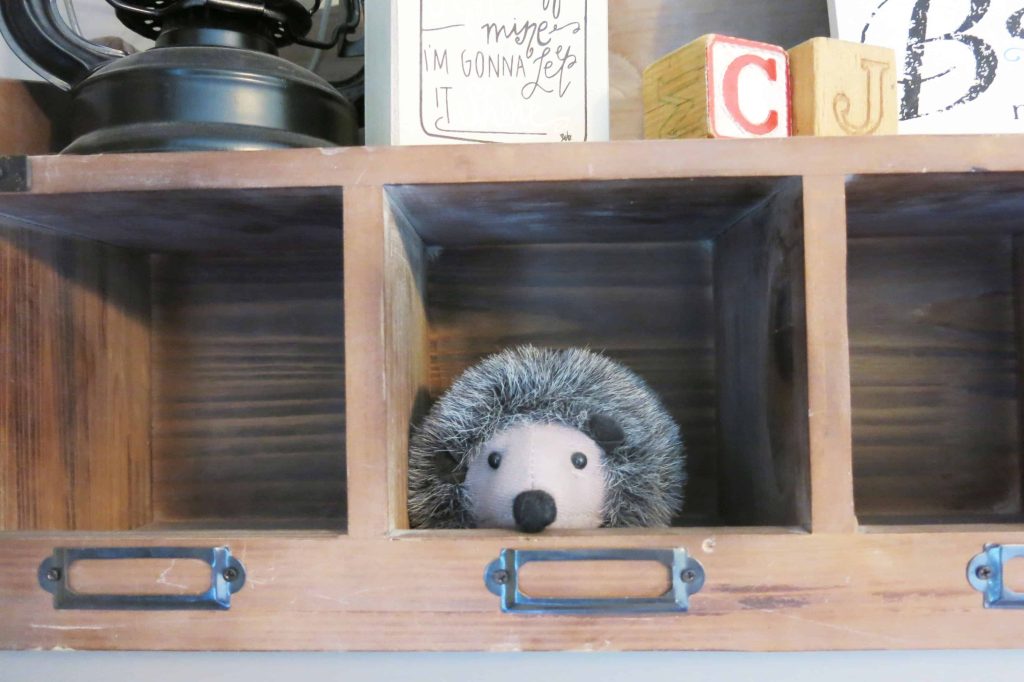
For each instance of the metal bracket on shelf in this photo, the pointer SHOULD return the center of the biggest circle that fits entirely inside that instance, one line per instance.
(687, 575)
(227, 576)
(985, 574)
(14, 174)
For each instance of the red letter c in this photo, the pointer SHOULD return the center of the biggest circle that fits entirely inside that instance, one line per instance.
(730, 88)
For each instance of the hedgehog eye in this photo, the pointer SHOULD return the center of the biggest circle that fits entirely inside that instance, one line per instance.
(579, 460)
(494, 460)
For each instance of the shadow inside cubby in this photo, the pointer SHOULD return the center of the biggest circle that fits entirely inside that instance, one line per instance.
(935, 302)
(176, 359)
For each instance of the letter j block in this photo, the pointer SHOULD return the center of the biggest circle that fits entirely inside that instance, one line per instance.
(718, 86)
(843, 88)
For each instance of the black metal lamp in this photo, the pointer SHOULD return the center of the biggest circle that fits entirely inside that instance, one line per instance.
(213, 80)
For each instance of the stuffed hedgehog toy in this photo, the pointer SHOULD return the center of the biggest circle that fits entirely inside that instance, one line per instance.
(535, 438)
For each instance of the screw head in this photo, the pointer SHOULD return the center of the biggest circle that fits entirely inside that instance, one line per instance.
(230, 574)
(688, 575)
(983, 572)
(500, 576)
(53, 575)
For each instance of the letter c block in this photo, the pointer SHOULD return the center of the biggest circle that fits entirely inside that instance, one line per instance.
(718, 86)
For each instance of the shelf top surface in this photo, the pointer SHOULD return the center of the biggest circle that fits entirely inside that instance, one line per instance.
(642, 159)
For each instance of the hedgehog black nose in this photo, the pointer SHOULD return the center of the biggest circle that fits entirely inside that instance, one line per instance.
(534, 510)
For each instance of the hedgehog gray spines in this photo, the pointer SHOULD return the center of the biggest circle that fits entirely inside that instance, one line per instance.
(645, 475)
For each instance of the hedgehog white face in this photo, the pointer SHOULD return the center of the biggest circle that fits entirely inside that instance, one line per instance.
(535, 476)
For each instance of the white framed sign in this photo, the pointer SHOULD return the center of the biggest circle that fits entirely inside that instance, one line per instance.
(961, 62)
(452, 71)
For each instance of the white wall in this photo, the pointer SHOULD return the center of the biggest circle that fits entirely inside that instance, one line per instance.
(96, 19)
(11, 67)
(947, 666)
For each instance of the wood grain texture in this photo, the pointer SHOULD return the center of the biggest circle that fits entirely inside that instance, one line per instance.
(675, 94)
(74, 395)
(571, 212)
(26, 127)
(232, 221)
(843, 88)
(369, 494)
(483, 164)
(934, 375)
(828, 358)
(765, 592)
(761, 365)
(642, 31)
(406, 347)
(935, 203)
(934, 344)
(249, 402)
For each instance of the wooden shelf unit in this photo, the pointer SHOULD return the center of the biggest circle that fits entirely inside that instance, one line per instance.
(838, 330)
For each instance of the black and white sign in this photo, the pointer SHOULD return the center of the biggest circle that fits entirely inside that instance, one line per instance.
(495, 71)
(961, 61)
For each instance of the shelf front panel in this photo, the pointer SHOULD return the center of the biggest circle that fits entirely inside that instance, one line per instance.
(764, 591)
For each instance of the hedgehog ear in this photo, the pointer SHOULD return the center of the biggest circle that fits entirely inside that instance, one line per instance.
(606, 432)
(448, 469)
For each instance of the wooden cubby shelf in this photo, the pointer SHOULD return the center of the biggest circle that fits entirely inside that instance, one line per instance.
(229, 349)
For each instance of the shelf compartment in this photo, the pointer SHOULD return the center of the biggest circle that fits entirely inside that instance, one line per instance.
(935, 340)
(695, 284)
(176, 359)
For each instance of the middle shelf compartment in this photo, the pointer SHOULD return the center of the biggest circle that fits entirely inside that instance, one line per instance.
(694, 283)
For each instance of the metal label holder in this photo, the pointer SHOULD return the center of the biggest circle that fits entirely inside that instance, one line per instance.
(227, 576)
(985, 574)
(687, 575)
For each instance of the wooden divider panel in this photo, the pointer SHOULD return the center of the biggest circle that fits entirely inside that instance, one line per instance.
(368, 432)
(828, 358)
(406, 349)
(762, 366)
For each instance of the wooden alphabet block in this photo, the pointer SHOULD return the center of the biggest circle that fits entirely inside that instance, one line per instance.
(843, 88)
(718, 86)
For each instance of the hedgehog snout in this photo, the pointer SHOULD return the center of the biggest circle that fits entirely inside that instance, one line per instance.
(534, 510)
